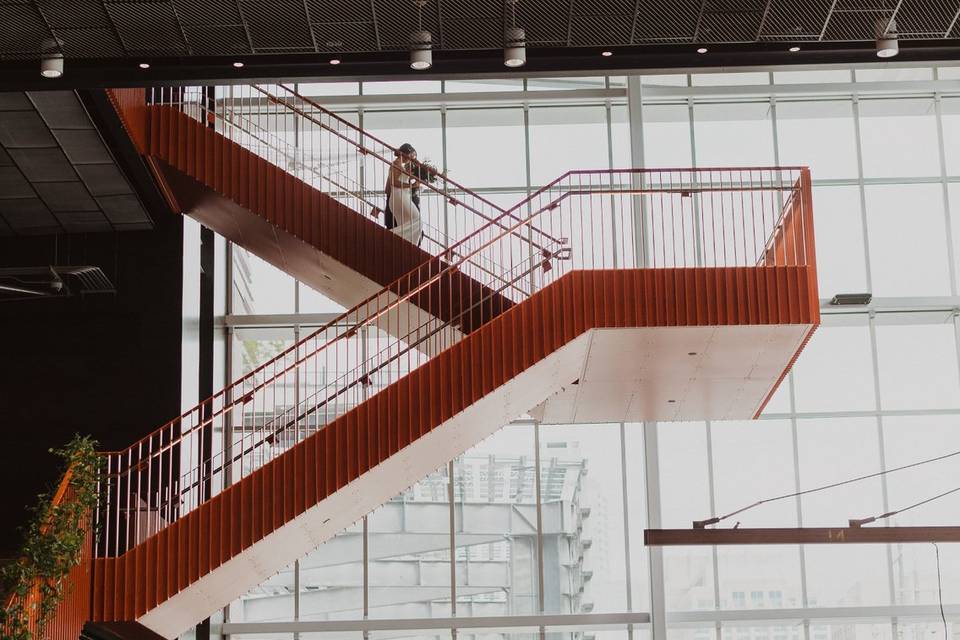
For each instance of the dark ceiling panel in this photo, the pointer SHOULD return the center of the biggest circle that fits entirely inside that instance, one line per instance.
(72, 14)
(43, 165)
(65, 196)
(13, 184)
(24, 129)
(603, 7)
(472, 34)
(546, 22)
(397, 19)
(90, 43)
(789, 20)
(473, 10)
(14, 101)
(855, 25)
(82, 146)
(207, 12)
(218, 40)
(122, 209)
(23, 30)
(53, 164)
(277, 24)
(926, 18)
(345, 36)
(60, 109)
(83, 221)
(340, 10)
(603, 30)
(666, 21)
(147, 27)
(104, 179)
(28, 215)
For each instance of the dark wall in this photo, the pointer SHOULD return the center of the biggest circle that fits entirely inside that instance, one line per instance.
(108, 366)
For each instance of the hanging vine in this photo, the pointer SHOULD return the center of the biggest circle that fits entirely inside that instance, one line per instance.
(34, 585)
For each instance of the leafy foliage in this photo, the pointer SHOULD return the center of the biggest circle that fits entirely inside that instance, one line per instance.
(53, 542)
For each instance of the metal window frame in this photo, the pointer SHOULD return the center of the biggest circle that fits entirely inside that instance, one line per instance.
(912, 310)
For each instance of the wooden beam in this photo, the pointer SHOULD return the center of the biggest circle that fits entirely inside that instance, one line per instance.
(804, 535)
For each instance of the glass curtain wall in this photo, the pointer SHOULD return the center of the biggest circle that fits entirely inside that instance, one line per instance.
(537, 522)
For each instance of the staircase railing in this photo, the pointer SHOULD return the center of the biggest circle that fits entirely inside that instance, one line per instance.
(335, 156)
(671, 219)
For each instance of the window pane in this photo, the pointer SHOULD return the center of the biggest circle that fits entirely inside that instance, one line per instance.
(685, 497)
(894, 74)
(853, 451)
(620, 124)
(259, 287)
(495, 526)
(950, 110)
(637, 507)
(839, 575)
(743, 453)
(552, 84)
(907, 240)
(666, 136)
(565, 138)
(315, 89)
(485, 147)
(918, 367)
(810, 77)
(331, 578)
(838, 228)
(409, 551)
(733, 135)
(835, 371)
(482, 86)
(909, 440)
(581, 487)
(402, 87)
(726, 79)
(312, 301)
(899, 138)
(820, 135)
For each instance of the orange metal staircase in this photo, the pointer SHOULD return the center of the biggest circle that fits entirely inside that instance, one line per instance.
(646, 264)
(313, 209)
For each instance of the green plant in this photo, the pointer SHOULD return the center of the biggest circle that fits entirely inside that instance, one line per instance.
(34, 585)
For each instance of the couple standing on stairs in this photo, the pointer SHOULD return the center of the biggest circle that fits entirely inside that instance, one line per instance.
(402, 213)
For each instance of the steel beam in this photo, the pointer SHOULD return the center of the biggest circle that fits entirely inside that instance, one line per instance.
(799, 535)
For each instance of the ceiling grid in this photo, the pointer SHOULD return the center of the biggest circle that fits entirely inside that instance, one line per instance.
(97, 29)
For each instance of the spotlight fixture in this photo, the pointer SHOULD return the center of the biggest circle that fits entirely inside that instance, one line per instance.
(794, 49)
(887, 43)
(702, 50)
(238, 64)
(51, 63)
(607, 54)
(421, 43)
(514, 41)
(334, 60)
(144, 65)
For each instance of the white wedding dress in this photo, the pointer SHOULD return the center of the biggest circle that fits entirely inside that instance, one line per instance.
(407, 215)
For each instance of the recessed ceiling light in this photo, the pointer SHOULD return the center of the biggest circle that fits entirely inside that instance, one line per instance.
(144, 65)
(334, 60)
(607, 54)
(238, 64)
(702, 50)
(794, 49)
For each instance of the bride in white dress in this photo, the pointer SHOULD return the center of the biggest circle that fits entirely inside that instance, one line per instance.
(399, 190)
